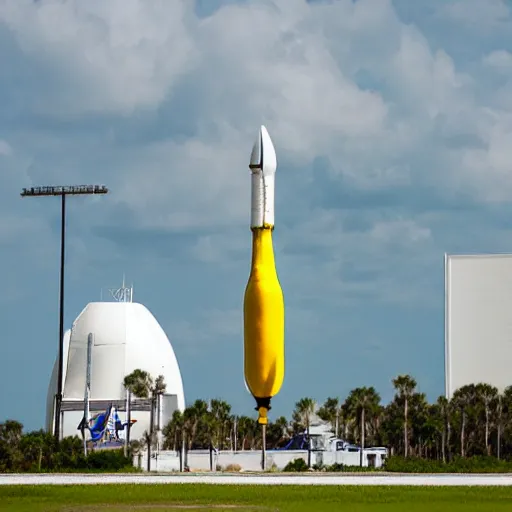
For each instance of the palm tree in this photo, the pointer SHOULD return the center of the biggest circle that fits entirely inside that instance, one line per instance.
(391, 428)
(173, 431)
(360, 403)
(231, 425)
(277, 431)
(463, 399)
(304, 410)
(193, 417)
(443, 408)
(159, 387)
(246, 428)
(428, 431)
(331, 412)
(499, 424)
(157, 391)
(505, 417)
(421, 428)
(488, 396)
(220, 410)
(405, 387)
(140, 384)
(282, 424)
(210, 428)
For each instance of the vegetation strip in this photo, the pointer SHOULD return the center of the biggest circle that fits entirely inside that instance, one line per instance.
(472, 433)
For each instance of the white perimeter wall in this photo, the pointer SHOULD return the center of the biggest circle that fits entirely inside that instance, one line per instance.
(478, 320)
(199, 460)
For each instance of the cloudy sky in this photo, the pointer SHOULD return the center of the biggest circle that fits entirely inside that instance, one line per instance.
(392, 123)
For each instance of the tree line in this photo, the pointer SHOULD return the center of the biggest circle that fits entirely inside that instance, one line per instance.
(476, 421)
(38, 451)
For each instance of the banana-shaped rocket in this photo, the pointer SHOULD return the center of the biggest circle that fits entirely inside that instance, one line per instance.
(263, 301)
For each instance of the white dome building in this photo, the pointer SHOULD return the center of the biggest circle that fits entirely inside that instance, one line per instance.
(126, 337)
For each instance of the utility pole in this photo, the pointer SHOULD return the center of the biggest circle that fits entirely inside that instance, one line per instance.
(62, 191)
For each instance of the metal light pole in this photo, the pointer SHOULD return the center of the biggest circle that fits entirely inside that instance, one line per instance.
(62, 191)
(263, 446)
(90, 343)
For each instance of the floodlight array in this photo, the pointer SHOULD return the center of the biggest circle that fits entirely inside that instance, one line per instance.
(64, 190)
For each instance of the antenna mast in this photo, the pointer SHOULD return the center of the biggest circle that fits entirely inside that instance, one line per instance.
(123, 294)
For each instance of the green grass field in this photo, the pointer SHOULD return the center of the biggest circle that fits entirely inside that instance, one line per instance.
(218, 498)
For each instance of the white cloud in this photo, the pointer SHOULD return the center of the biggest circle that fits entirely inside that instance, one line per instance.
(294, 76)
(341, 80)
(220, 248)
(12, 225)
(212, 330)
(487, 169)
(499, 59)
(430, 83)
(111, 56)
(323, 257)
(186, 185)
(400, 231)
(482, 14)
(5, 148)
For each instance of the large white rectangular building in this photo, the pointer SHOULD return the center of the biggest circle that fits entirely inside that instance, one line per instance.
(478, 320)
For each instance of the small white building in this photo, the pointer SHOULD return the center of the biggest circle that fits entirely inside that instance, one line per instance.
(329, 449)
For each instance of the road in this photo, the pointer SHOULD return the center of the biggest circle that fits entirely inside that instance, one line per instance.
(253, 479)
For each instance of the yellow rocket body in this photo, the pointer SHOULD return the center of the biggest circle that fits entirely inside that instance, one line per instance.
(263, 323)
(263, 301)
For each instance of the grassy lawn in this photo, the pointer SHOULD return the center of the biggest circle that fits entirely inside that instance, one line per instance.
(218, 498)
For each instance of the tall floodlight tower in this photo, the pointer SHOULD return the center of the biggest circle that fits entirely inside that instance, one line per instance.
(62, 191)
(263, 301)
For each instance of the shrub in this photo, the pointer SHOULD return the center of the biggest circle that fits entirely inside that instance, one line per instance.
(233, 468)
(296, 465)
(478, 464)
(110, 460)
(338, 467)
(273, 468)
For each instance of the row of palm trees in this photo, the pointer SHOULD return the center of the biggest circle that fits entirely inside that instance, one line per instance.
(476, 421)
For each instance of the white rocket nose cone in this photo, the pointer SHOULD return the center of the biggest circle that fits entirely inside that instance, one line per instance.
(263, 155)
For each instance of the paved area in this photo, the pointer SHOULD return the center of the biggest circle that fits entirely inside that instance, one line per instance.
(264, 479)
